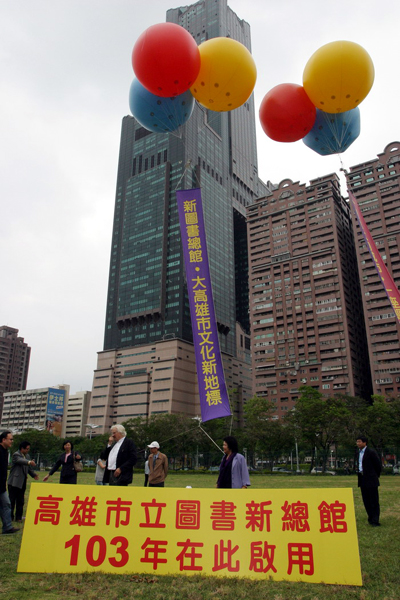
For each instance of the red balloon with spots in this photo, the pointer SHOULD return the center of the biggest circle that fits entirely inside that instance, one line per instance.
(286, 113)
(166, 59)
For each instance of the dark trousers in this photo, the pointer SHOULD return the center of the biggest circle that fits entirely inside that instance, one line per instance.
(370, 496)
(17, 499)
(116, 480)
(156, 484)
(146, 479)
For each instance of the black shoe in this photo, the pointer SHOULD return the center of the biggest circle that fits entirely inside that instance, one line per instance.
(12, 530)
(375, 524)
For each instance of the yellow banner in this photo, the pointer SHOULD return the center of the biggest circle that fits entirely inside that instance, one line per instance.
(297, 534)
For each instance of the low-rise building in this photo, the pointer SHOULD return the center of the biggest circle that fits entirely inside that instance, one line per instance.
(77, 414)
(155, 379)
(42, 408)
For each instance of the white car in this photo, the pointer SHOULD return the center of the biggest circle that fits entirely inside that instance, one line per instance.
(316, 470)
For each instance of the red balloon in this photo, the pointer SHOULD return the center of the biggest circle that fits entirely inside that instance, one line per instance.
(166, 59)
(286, 113)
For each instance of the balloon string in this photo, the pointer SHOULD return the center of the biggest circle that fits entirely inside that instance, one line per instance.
(342, 167)
(187, 167)
(215, 443)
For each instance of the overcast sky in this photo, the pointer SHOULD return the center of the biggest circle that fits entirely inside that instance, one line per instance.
(65, 68)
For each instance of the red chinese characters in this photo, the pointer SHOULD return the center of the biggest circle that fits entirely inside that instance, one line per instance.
(187, 514)
(49, 510)
(223, 516)
(223, 557)
(262, 557)
(332, 517)
(153, 511)
(187, 557)
(301, 556)
(84, 512)
(121, 511)
(258, 516)
(253, 536)
(295, 517)
(153, 551)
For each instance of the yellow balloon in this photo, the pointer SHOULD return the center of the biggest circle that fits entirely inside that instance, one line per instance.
(338, 76)
(227, 75)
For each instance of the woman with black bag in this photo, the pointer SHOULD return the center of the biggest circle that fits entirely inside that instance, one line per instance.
(69, 462)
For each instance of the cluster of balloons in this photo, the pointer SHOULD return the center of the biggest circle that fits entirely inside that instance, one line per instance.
(324, 111)
(172, 71)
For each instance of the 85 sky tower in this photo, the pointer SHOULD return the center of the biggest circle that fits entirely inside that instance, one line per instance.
(147, 296)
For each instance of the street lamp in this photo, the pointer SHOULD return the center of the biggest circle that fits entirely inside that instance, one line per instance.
(296, 445)
(91, 426)
(297, 457)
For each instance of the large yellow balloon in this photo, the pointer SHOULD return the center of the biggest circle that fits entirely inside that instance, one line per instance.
(338, 76)
(227, 75)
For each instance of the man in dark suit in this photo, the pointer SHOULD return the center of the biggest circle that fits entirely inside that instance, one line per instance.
(369, 470)
(120, 458)
(21, 466)
(6, 440)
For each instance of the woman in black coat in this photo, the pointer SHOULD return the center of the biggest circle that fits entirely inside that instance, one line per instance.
(66, 462)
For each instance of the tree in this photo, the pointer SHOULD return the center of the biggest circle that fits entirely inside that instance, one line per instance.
(263, 434)
(44, 446)
(319, 420)
(379, 423)
(176, 434)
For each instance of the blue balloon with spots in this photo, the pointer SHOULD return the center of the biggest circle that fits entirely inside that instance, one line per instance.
(333, 133)
(159, 114)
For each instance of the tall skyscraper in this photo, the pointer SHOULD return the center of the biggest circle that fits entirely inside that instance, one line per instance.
(376, 187)
(147, 294)
(14, 362)
(305, 303)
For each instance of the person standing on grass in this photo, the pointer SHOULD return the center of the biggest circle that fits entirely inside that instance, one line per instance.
(6, 440)
(158, 466)
(233, 472)
(21, 466)
(369, 470)
(99, 475)
(146, 473)
(66, 462)
(120, 458)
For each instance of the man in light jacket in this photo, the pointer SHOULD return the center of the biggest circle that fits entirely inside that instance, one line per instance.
(158, 466)
(21, 466)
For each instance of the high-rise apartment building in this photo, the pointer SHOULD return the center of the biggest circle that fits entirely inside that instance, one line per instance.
(376, 187)
(14, 362)
(305, 306)
(147, 294)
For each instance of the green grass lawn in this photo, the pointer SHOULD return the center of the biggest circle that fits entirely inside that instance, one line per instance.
(379, 550)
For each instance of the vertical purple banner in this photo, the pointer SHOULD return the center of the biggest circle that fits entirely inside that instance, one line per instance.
(214, 401)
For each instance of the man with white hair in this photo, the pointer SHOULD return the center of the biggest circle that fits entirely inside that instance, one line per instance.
(120, 458)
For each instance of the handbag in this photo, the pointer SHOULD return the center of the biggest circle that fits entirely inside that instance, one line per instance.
(78, 466)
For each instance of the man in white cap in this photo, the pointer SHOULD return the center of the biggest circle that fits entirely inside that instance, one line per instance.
(158, 466)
